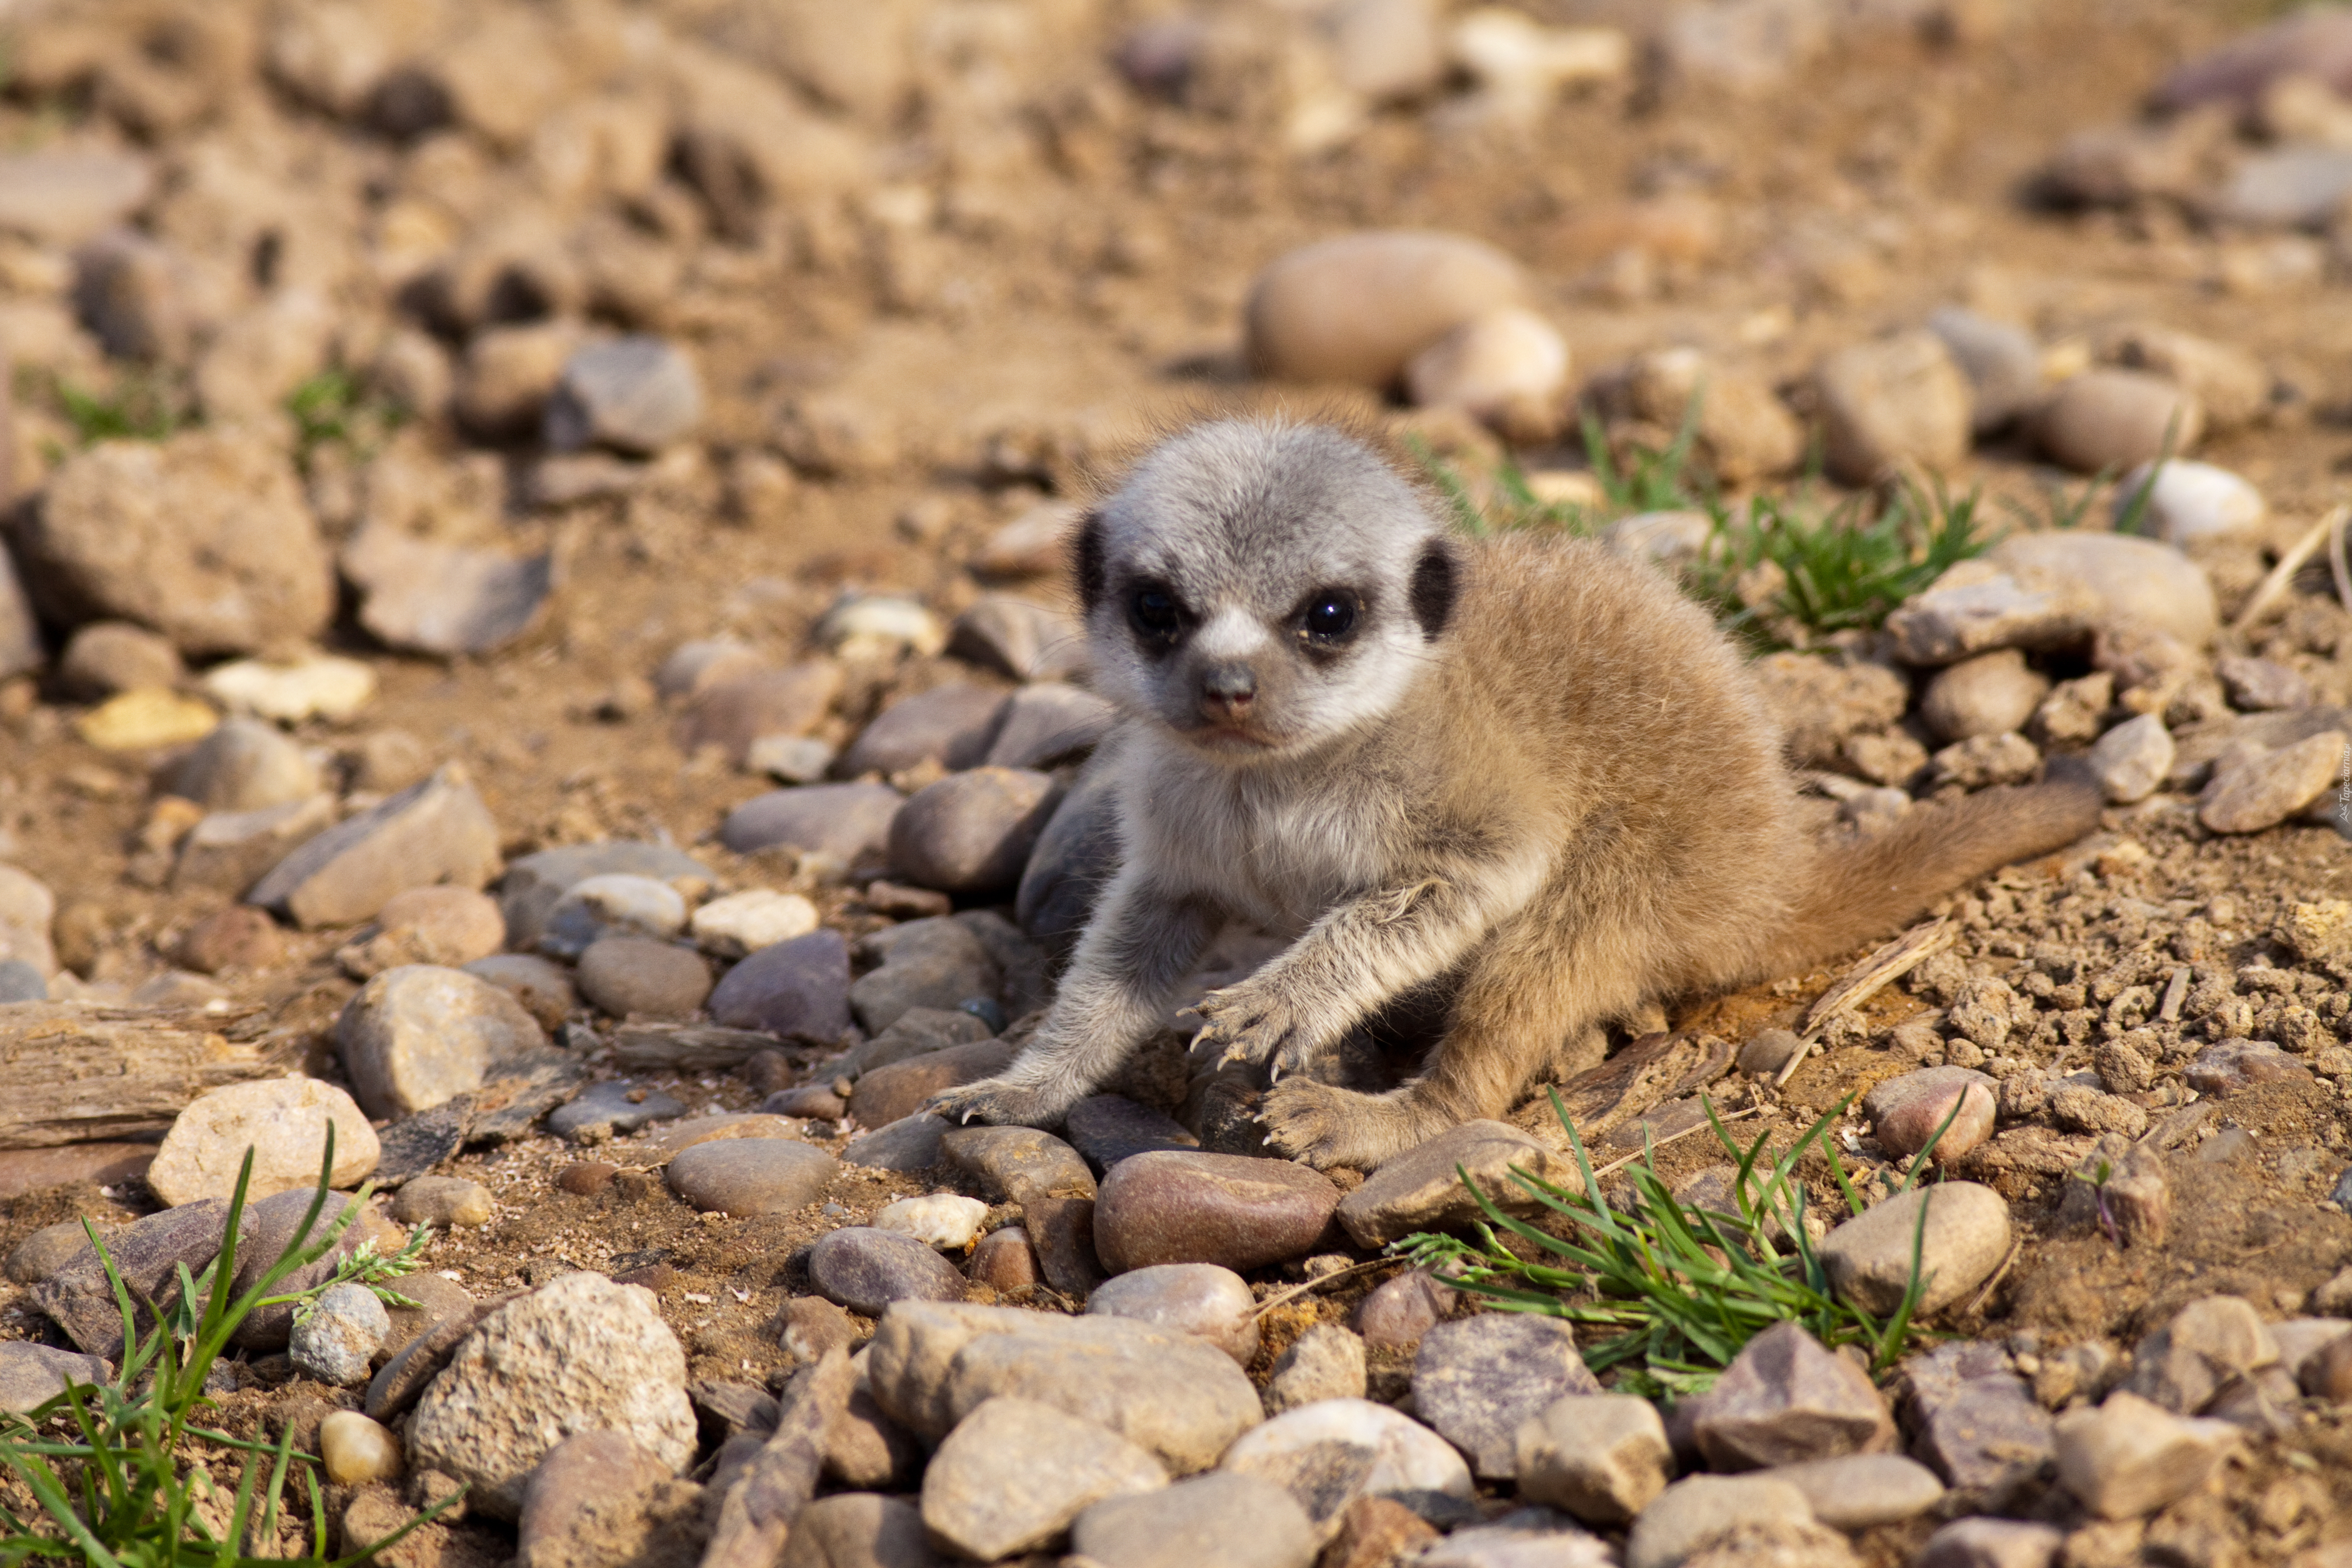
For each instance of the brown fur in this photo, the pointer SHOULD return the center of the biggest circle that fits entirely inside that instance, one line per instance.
(1580, 807)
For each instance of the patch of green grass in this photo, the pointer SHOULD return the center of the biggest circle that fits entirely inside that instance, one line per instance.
(1680, 1289)
(1842, 570)
(333, 408)
(114, 1466)
(143, 404)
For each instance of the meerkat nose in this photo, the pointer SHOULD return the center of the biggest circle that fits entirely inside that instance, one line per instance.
(1228, 689)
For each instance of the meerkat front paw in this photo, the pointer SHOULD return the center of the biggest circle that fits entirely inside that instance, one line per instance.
(1321, 1125)
(1258, 1026)
(997, 1100)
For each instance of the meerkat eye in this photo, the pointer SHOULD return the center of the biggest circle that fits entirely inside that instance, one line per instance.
(1155, 611)
(1331, 615)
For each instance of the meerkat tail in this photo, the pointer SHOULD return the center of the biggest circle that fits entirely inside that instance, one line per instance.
(1863, 892)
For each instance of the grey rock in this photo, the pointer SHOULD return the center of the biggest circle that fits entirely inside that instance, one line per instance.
(910, 1143)
(859, 1529)
(49, 1250)
(31, 1375)
(1331, 1453)
(752, 1175)
(951, 725)
(971, 832)
(528, 892)
(230, 851)
(1049, 724)
(2183, 1364)
(791, 759)
(635, 393)
(421, 597)
(62, 196)
(204, 537)
(1018, 1164)
(1200, 1300)
(147, 1253)
(938, 963)
(1326, 1361)
(1901, 399)
(1974, 1421)
(282, 1123)
(2003, 362)
(606, 1111)
(2114, 420)
(1421, 1189)
(2135, 581)
(917, 1031)
(416, 1145)
(1476, 1379)
(1600, 1457)
(757, 708)
(1987, 609)
(902, 1089)
(614, 903)
(2261, 685)
(100, 659)
(273, 1227)
(1004, 1261)
(1524, 1538)
(1986, 695)
(1861, 1491)
(1182, 1206)
(27, 910)
(334, 1342)
(1869, 1256)
(850, 823)
(866, 1269)
(1020, 638)
(1076, 855)
(1108, 1128)
(634, 976)
(2286, 187)
(1991, 1544)
(244, 766)
(1399, 1311)
(1014, 1473)
(2233, 1067)
(20, 982)
(1784, 1400)
(2128, 1458)
(798, 988)
(2263, 791)
(579, 1353)
(407, 1372)
(933, 1362)
(1687, 1516)
(543, 988)
(438, 831)
(1216, 1520)
(418, 1035)
(2132, 759)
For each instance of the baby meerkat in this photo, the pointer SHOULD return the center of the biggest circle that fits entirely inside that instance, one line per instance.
(1519, 770)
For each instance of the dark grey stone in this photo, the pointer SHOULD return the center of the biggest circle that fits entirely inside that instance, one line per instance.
(800, 988)
(146, 1253)
(604, 1109)
(865, 1269)
(1108, 1128)
(950, 724)
(849, 822)
(1475, 1379)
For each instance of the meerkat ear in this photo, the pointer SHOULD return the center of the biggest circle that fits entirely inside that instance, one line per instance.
(1086, 557)
(1433, 588)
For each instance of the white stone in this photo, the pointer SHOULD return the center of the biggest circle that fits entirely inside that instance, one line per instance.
(616, 903)
(880, 624)
(745, 922)
(2132, 759)
(944, 1220)
(1869, 1256)
(357, 1451)
(317, 686)
(283, 1120)
(2192, 500)
(1508, 364)
(1406, 1457)
(334, 1340)
(1519, 64)
(2137, 582)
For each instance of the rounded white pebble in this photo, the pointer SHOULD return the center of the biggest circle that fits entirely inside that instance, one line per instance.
(2192, 500)
(743, 923)
(357, 1449)
(943, 1220)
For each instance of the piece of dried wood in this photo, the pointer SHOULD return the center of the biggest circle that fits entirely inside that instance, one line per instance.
(73, 1074)
(1864, 980)
(1644, 1075)
(686, 1047)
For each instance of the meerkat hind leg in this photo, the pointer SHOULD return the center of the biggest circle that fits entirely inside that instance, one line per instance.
(1514, 1011)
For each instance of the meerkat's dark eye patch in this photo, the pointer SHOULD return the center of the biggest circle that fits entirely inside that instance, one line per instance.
(1433, 590)
(1327, 618)
(1155, 614)
(1088, 552)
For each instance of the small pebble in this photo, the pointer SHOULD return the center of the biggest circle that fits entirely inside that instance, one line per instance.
(335, 1341)
(2188, 501)
(1869, 1257)
(442, 1201)
(358, 1451)
(637, 977)
(2132, 759)
(945, 1220)
(616, 903)
(745, 922)
(1600, 1457)
(1004, 1261)
(635, 393)
(2116, 419)
(587, 1177)
(752, 1175)
(865, 1269)
(1326, 1361)
(1196, 1299)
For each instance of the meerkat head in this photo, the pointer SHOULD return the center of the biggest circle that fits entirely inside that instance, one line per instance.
(1260, 587)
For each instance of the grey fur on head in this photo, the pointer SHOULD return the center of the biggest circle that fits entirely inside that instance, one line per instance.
(1257, 587)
